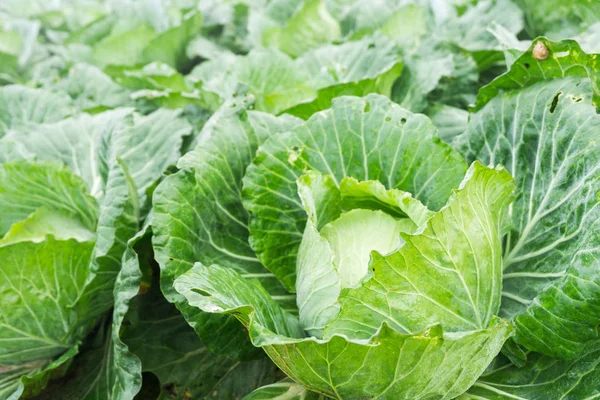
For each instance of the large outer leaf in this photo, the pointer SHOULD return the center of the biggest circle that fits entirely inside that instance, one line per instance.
(90, 88)
(448, 273)
(117, 222)
(543, 378)
(81, 142)
(83, 285)
(366, 138)
(146, 145)
(198, 216)
(24, 187)
(430, 364)
(544, 60)
(21, 105)
(545, 135)
(169, 348)
(40, 284)
(106, 369)
(46, 221)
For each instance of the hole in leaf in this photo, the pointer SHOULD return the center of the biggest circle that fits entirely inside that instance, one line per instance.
(403, 120)
(555, 102)
(388, 119)
(367, 107)
(527, 65)
(371, 45)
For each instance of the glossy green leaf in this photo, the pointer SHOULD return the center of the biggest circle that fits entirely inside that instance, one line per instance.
(545, 136)
(41, 283)
(146, 145)
(169, 348)
(541, 378)
(427, 364)
(543, 61)
(198, 215)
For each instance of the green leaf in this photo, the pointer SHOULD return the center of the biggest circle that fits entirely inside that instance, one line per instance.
(42, 282)
(21, 105)
(545, 136)
(366, 138)
(170, 46)
(170, 349)
(542, 378)
(427, 364)
(147, 145)
(155, 75)
(450, 121)
(559, 17)
(355, 68)
(92, 373)
(9, 69)
(317, 285)
(460, 246)
(198, 215)
(25, 187)
(123, 48)
(424, 71)
(90, 88)
(335, 249)
(310, 26)
(398, 20)
(284, 390)
(117, 222)
(70, 140)
(80, 276)
(305, 85)
(470, 29)
(157, 85)
(543, 61)
(106, 368)
(28, 379)
(46, 221)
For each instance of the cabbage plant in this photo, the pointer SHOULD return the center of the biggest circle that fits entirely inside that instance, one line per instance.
(373, 260)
